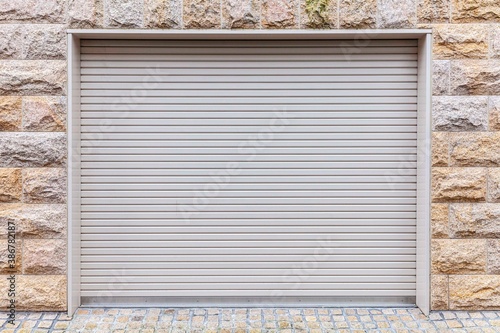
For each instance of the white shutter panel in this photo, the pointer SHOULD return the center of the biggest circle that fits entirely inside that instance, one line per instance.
(248, 169)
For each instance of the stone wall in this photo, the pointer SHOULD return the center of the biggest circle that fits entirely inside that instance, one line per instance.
(466, 123)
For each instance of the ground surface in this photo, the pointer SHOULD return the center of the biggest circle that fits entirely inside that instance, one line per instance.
(156, 320)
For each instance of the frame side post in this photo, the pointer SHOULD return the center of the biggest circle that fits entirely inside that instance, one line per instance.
(73, 132)
(424, 172)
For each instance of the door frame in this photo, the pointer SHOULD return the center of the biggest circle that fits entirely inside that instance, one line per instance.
(424, 93)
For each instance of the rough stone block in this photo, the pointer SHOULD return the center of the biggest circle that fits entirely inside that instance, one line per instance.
(475, 149)
(439, 292)
(202, 14)
(358, 14)
(465, 11)
(44, 41)
(44, 256)
(460, 113)
(495, 41)
(34, 221)
(10, 185)
(440, 149)
(85, 14)
(475, 77)
(455, 41)
(5, 266)
(124, 13)
(240, 14)
(32, 149)
(33, 11)
(45, 185)
(439, 220)
(34, 77)
(42, 292)
(279, 14)
(162, 14)
(475, 220)
(10, 113)
(440, 77)
(319, 14)
(458, 184)
(10, 41)
(44, 113)
(493, 256)
(397, 14)
(494, 113)
(433, 11)
(458, 256)
(475, 292)
(494, 184)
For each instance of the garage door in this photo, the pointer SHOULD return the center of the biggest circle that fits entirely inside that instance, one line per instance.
(245, 170)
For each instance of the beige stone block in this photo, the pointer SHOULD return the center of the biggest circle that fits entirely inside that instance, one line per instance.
(319, 14)
(458, 256)
(475, 220)
(44, 185)
(32, 149)
(44, 256)
(44, 113)
(10, 185)
(279, 14)
(475, 149)
(494, 184)
(163, 14)
(358, 14)
(458, 184)
(440, 149)
(41, 292)
(475, 292)
(439, 292)
(433, 11)
(459, 113)
(124, 13)
(34, 77)
(495, 41)
(6, 254)
(86, 14)
(439, 220)
(202, 14)
(396, 14)
(440, 77)
(475, 77)
(455, 41)
(240, 14)
(494, 113)
(44, 41)
(10, 113)
(465, 11)
(10, 41)
(34, 221)
(493, 266)
(33, 11)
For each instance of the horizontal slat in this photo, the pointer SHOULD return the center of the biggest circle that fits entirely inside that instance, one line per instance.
(402, 59)
(266, 222)
(285, 44)
(248, 149)
(248, 201)
(254, 75)
(359, 259)
(126, 279)
(142, 265)
(111, 291)
(247, 123)
(330, 273)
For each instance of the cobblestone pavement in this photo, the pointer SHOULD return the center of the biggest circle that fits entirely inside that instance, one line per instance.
(222, 320)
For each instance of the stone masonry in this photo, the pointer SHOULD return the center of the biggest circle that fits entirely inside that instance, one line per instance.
(466, 123)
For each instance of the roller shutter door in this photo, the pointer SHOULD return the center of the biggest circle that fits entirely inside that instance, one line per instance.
(248, 169)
